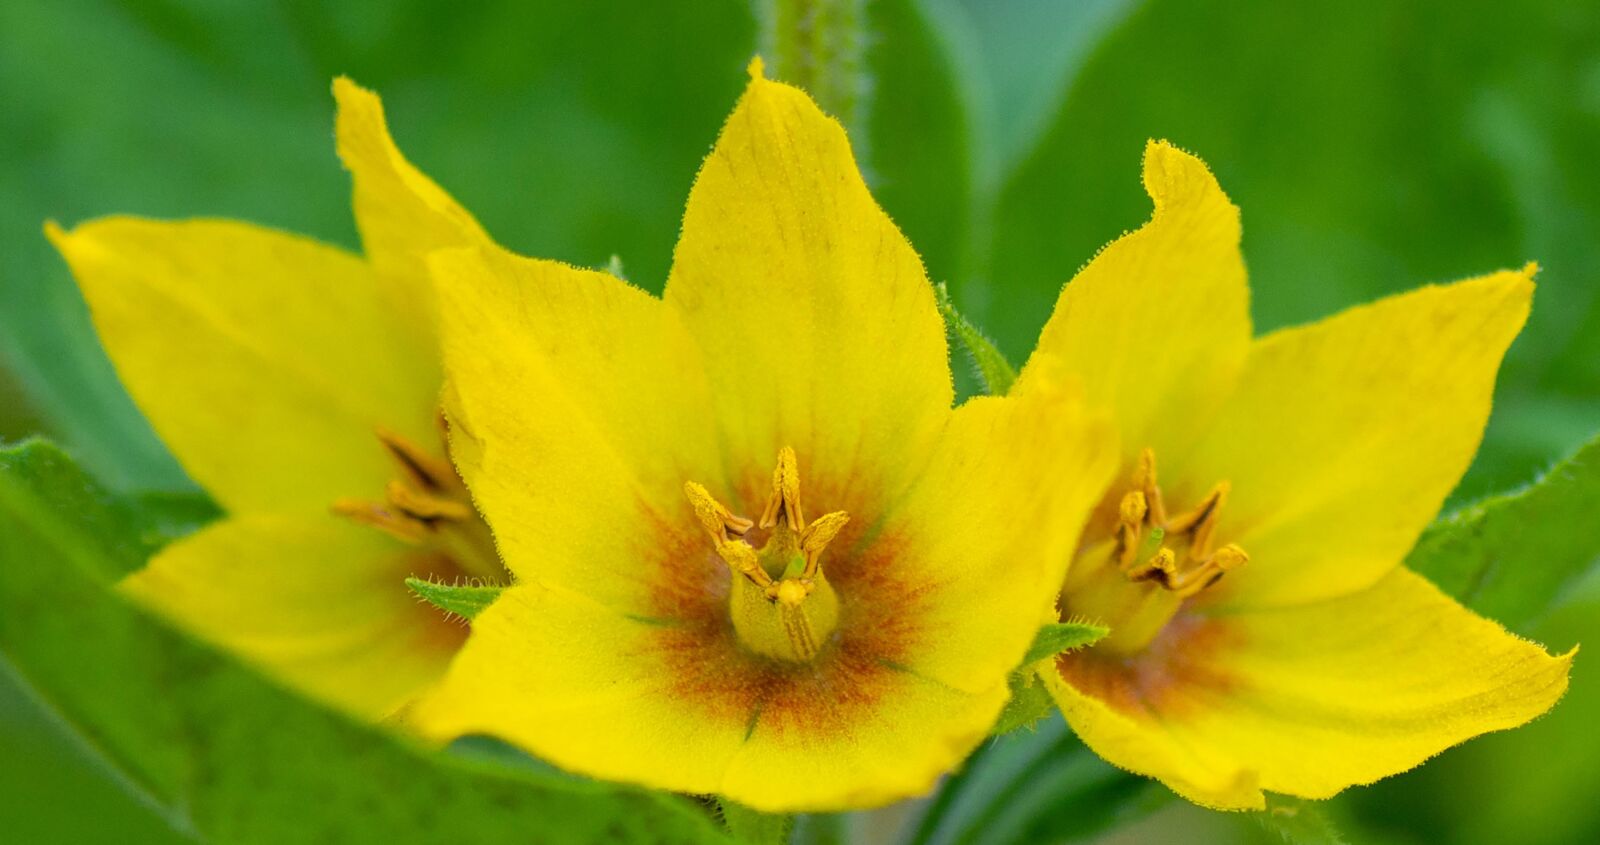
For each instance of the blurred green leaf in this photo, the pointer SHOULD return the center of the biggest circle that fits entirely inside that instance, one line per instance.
(1032, 787)
(124, 531)
(1510, 556)
(226, 756)
(464, 600)
(994, 373)
(755, 827)
(1297, 821)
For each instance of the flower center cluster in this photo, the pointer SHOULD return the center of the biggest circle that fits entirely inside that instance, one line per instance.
(781, 604)
(427, 505)
(1136, 581)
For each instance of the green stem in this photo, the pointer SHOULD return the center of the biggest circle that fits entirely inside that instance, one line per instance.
(818, 45)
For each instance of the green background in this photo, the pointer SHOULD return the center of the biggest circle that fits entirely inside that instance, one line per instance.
(1372, 146)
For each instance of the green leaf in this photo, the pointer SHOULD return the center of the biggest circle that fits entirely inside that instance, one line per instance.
(1031, 787)
(126, 531)
(1030, 701)
(995, 374)
(228, 757)
(1057, 637)
(755, 827)
(1297, 821)
(1510, 556)
(464, 600)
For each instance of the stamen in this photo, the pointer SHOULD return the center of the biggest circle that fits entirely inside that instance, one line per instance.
(743, 559)
(1132, 511)
(817, 536)
(1160, 567)
(402, 527)
(427, 505)
(419, 467)
(1145, 481)
(1197, 567)
(785, 499)
(718, 521)
(424, 506)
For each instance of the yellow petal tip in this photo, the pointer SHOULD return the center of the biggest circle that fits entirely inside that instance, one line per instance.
(757, 69)
(1172, 175)
(347, 90)
(55, 234)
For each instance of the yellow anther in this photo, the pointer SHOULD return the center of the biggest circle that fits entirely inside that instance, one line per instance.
(717, 520)
(424, 506)
(398, 525)
(1229, 557)
(785, 499)
(817, 536)
(744, 560)
(417, 465)
(1146, 481)
(1132, 509)
(1160, 566)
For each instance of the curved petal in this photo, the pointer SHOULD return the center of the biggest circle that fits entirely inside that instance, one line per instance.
(977, 550)
(403, 216)
(1158, 324)
(316, 601)
(628, 699)
(1307, 700)
(578, 410)
(818, 323)
(266, 361)
(1345, 436)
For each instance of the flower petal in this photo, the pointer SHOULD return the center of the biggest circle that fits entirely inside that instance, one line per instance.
(1158, 324)
(266, 361)
(403, 216)
(1307, 700)
(578, 409)
(1345, 436)
(818, 323)
(623, 698)
(318, 602)
(978, 548)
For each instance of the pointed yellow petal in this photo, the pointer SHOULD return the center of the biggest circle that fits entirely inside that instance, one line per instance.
(631, 699)
(579, 409)
(403, 216)
(982, 542)
(1345, 436)
(1308, 700)
(819, 326)
(1157, 325)
(316, 601)
(265, 361)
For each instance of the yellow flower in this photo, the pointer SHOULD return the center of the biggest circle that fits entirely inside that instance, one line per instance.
(758, 553)
(1264, 635)
(298, 384)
